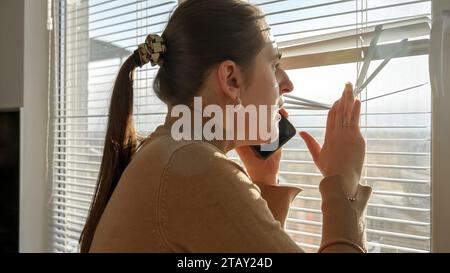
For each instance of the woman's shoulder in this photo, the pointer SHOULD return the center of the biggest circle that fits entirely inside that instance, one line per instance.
(202, 158)
(184, 164)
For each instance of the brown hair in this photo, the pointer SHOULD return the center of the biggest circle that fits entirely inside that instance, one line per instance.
(199, 35)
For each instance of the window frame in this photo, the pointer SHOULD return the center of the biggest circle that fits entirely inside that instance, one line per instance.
(33, 209)
(440, 152)
(440, 220)
(440, 147)
(314, 56)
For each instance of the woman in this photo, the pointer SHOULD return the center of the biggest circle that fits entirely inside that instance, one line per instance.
(187, 195)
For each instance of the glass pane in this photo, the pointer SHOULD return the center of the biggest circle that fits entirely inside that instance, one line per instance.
(397, 129)
(95, 39)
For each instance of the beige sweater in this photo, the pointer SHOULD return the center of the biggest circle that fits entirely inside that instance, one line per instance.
(188, 196)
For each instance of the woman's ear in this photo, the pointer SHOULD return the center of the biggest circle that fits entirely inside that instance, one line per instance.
(230, 78)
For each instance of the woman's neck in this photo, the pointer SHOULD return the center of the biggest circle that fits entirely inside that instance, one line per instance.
(223, 144)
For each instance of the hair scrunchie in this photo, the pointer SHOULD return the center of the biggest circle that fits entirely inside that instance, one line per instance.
(151, 51)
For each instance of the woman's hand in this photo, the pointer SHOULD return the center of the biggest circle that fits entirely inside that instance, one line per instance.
(261, 171)
(344, 147)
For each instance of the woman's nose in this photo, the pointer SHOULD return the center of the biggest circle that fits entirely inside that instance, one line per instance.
(284, 83)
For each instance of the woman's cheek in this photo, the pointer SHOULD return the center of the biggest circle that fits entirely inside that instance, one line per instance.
(276, 88)
(275, 115)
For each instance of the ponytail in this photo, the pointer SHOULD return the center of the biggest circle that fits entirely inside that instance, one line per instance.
(120, 145)
(121, 141)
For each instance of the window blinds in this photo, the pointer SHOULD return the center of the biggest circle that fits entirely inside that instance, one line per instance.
(95, 36)
(325, 42)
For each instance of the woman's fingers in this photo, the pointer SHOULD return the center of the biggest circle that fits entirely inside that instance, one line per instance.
(344, 107)
(283, 112)
(354, 122)
(330, 121)
(348, 103)
(312, 144)
(338, 114)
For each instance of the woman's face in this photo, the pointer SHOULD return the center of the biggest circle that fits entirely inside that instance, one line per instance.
(268, 82)
(259, 91)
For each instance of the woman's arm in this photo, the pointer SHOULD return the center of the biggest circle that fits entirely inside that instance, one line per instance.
(208, 204)
(279, 199)
(343, 227)
(340, 160)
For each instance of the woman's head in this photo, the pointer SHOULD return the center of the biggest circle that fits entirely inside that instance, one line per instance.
(218, 49)
(200, 35)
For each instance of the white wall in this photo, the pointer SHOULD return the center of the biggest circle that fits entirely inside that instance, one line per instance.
(33, 199)
(11, 56)
(440, 175)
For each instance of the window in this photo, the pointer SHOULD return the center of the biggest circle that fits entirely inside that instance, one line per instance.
(323, 41)
(320, 39)
(93, 39)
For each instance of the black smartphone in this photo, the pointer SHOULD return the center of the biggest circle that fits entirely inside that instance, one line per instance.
(286, 132)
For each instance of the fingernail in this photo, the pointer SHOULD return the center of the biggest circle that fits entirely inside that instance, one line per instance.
(284, 112)
(349, 88)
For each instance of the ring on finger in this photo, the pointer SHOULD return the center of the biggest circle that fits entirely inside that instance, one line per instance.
(346, 124)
